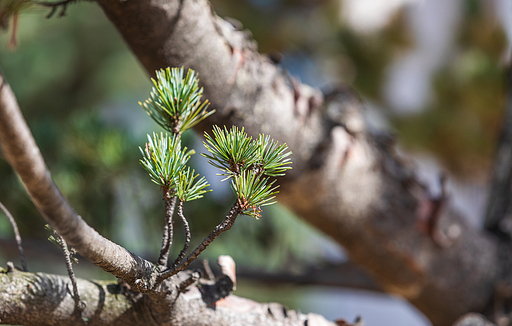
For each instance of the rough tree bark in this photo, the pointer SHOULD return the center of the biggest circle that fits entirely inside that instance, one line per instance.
(43, 299)
(346, 180)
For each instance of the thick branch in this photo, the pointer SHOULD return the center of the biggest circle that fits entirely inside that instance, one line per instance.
(21, 151)
(345, 181)
(43, 299)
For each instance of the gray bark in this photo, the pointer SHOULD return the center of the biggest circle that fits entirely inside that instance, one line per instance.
(43, 299)
(345, 181)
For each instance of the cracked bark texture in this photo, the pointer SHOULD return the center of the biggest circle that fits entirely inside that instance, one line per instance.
(43, 299)
(346, 180)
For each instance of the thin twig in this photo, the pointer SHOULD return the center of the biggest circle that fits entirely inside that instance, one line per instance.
(67, 257)
(167, 237)
(187, 235)
(500, 193)
(17, 237)
(226, 224)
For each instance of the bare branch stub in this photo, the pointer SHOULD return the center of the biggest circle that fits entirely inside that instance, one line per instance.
(208, 270)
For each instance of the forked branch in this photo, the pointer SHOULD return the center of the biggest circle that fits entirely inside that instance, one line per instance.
(226, 224)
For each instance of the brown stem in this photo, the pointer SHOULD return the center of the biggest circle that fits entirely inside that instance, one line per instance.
(167, 237)
(187, 235)
(67, 258)
(16, 236)
(226, 224)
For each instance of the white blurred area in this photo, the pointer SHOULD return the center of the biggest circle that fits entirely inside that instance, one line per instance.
(434, 25)
(503, 10)
(367, 16)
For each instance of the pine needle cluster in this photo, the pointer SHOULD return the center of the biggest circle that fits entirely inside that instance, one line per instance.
(249, 164)
(175, 101)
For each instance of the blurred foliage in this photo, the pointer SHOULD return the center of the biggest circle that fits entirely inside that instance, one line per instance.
(462, 124)
(78, 86)
(66, 73)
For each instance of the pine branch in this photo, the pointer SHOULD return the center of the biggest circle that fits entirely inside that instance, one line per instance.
(225, 225)
(174, 103)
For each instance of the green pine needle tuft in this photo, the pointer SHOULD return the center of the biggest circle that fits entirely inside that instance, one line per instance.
(253, 191)
(250, 164)
(187, 189)
(163, 158)
(273, 157)
(175, 102)
(231, 151)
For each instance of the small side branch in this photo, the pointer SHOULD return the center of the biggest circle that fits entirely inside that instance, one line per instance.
(67, 257)
(226, 224)
(194, 277)
(187, 235)
(16, 236)
(500, 193)
(167, 237)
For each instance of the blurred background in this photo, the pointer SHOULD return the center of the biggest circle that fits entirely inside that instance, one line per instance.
(431, 72)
